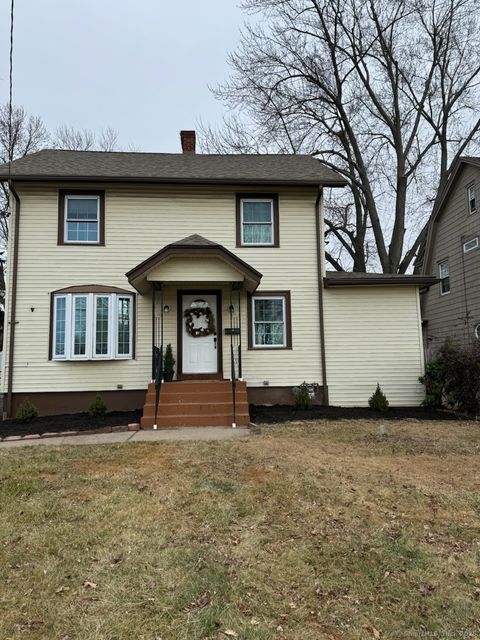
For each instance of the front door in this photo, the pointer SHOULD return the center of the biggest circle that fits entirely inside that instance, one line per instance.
(199, 321)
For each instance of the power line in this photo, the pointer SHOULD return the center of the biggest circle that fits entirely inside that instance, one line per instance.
(10, 103)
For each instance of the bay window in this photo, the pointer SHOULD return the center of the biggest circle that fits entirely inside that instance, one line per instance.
(92, 326)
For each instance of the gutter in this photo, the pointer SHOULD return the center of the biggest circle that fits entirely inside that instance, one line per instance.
(13, 301)
(318, 230)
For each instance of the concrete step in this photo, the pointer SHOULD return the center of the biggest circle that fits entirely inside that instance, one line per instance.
(213, 397)
(194, 408)
(181, 420)
(196, 403)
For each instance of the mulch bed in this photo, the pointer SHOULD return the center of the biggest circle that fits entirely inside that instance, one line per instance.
(68, 422)
(286, 413)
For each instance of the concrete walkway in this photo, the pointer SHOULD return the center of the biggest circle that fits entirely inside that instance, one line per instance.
(171, 435)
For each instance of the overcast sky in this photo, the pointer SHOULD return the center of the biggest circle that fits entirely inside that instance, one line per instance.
(140, 66)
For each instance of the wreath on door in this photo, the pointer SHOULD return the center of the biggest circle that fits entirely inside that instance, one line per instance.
(195, 313)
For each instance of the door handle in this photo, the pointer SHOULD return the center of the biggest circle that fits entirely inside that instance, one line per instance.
(215, 341)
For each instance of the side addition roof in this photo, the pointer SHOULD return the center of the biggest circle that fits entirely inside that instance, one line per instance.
(345, 279)
(108, 166)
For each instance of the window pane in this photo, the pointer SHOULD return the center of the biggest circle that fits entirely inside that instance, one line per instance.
(80, 326)
(82, 208)
(82, 231)
(269, 310)
(257, 234)
(269, 322)
(123, 335)
(101, 333)
(257, 212)
(269, 333)
(60, 316)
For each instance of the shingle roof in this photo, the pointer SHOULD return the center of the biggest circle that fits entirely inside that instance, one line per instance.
(344, 278)
(54, 164)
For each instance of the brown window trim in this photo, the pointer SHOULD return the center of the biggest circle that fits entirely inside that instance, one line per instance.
(276, 219)
(61, 216)
(288, 318)
(86, 289)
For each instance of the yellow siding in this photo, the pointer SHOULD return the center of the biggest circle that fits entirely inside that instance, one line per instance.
(373, 335)
(139, 221)
(200, 269)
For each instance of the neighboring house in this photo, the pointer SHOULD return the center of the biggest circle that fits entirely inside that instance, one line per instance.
(451, 309)
(113, 255)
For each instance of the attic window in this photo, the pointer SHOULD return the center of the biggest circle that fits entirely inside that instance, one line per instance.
(471, 244)
(472, 198)
(81, 217)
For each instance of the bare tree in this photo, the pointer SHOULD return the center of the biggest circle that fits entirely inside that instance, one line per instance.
(28, 135)
(67, 137)
(384, 92)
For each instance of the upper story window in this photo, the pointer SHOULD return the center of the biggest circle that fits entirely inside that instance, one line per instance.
(257, 220)
(471, 244)
(92, 326)
(472, 198)
(81, 217)
(270, 321)
(444, 275)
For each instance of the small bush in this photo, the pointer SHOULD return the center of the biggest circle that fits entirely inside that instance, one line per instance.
(98, 406)
(26, 412)
(302, 397)
(168, 360)
(378, 401)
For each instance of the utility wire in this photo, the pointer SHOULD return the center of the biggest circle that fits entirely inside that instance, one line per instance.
(10, 102)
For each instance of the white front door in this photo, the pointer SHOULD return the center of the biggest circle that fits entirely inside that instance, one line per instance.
(199, 316)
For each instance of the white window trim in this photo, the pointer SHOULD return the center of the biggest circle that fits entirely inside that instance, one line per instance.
(285, 328)
(65, 218)
(474, 244)
(443, 293)
(91, 327)
(123, 356)
(469, 188)
(272, 223)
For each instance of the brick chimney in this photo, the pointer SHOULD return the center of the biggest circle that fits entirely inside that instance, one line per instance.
(188, 141)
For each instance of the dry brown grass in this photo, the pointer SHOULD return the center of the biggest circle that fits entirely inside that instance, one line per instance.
(308, 531)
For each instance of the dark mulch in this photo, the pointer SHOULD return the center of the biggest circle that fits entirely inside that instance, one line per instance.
(284, 413)
(68, 422)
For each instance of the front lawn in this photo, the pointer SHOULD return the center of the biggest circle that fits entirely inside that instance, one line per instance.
(307, 531)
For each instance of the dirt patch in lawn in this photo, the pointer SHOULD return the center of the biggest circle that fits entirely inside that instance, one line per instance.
(286, 413)
(68, 422)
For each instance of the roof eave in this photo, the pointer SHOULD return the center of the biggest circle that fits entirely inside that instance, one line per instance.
(169, 180)
(406, 281)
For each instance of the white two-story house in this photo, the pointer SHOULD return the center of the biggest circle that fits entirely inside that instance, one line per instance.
(112, 256)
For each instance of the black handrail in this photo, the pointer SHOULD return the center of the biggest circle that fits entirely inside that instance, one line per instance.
(158, 360)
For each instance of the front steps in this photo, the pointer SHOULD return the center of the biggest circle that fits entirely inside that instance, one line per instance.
(196, 403)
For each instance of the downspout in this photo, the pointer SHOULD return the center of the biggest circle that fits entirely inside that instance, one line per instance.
(318, 228)
(13, 299)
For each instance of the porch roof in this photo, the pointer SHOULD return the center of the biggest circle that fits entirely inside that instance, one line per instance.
(196, 247)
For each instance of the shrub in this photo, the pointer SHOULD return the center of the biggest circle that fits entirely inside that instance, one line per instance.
(26, 412)
(378, 401)
(98, 406)
(434, 381)
(302, 397)
(168, 359)
(453, 379)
